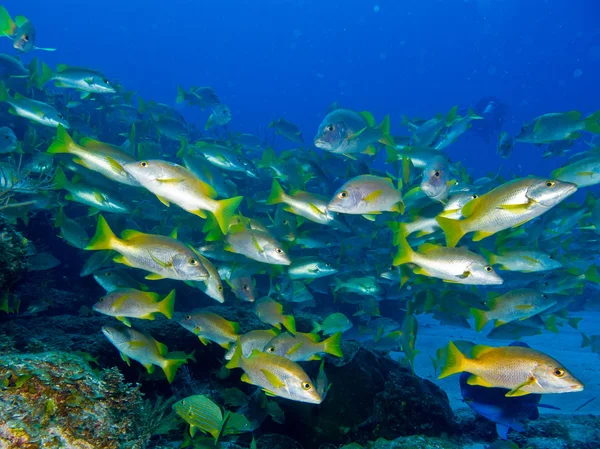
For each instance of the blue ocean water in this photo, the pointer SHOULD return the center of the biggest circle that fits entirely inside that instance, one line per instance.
(268, 59)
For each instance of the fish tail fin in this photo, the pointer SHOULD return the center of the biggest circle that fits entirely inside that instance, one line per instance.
(181, 93)
(225, 210)
(455, 361)
(591, 274)
(399, 230)
(167, 305)
(453, 229)
(332, 345)
(40, 78)
(405, 253)
(277, 194)
(7, 24)
(586, 341)
(481, 318)
(63, 143)
(592, 123)
(290, 324)
(386, 138)
(236, 358)
(60, 180)
(171, 366)
(4, 95)
(104, 237)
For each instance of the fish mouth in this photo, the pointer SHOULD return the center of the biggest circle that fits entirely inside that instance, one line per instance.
(323, 145)
(577, 387)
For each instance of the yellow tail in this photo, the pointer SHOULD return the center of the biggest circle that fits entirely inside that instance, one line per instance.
(225, 210)
(63, 143)
(167, 305)
(455, 361)
(104, 237)
(332, 345)
(453, 229)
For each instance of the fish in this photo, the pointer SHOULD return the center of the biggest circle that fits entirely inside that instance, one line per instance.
(558, 126)
(525, 260)
(220, 116)
(518, 304)
(111, 279)
(364, 285)
(311, 206)
(436, 179)
(84, 80)
(209, 327)
(173, 183)
(201, 413)
(125, 303)
(163, 257)
(310, 267)
(103, 158)
(520, 370)
(302, 347)
(505, 145)
(204, 97)
(225, 158)
(70, 230)
(287, 130)
(455, 265)
(509, 205)
(20, 30)
(256, 339)
(584, 172)
(91, 196)
(347, 132)
(277, 375)
(96, 262)
(332, 324)
(33, 110)
(256, 245)
(8, 140)
(271, 312)
(143, 348)
(42, 262)
(11, 67)
(366, 195)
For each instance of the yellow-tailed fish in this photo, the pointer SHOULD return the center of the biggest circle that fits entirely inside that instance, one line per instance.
(271, 312)
(209, 326)
(128, 303)
(302, 347)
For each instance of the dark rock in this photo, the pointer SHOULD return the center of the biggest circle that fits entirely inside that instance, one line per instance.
(13, 250)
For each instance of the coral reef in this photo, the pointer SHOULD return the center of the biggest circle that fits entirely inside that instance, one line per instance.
(13, 251)
(55, 400)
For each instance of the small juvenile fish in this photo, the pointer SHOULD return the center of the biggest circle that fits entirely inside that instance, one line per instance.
(256, 245)
(271, 312)
(520, 370)
(220, 116)
(128, 303)
(287, 130)
(334, 323)
(505, 145)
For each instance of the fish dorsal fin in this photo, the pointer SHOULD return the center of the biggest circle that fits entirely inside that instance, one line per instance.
(272, 378)
(479, 350)
(128, 234)
(62, 67)
(368, 118)
(313, 337)
(469, 208)
(21, 20)
(428, 247)
(91, 143)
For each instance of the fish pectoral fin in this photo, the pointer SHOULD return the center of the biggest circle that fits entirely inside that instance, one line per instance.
(272, 378)
(516, 208)
(126, 359)
(315, 209)
(204, 341)
(114, 164)
(124, 320)
(518, 390)
(170, 180)
(357, 134)
(246, 379)
(479, 381)
(154, 277)
(99, 197)
(373, 196)
(465, 275)
(160, 262)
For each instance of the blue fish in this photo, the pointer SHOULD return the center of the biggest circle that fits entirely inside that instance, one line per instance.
(506, 412)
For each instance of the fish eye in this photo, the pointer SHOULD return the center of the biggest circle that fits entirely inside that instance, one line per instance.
(26, 38)
(306, 386)
(285, 222)
(7, 137)
(189, 317)
(551, 257)
(474, 196)
(143, 164)
(219, 287)
(437, 173)
(271, 349)
(108, 273)
(343, 194)
(106, 81)
(488, 268)
(245, 287)
(101, 299)
(550, 184)
(60, 116)
(330, 128)
(279, 251)
(391, 268)
(558, 372)
(544, 295)
(193, 261)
